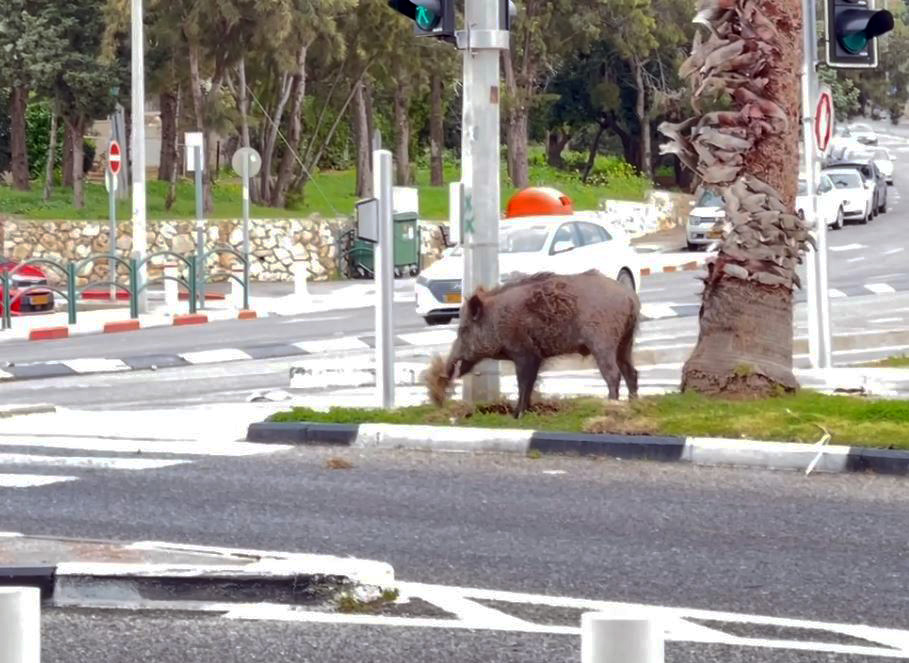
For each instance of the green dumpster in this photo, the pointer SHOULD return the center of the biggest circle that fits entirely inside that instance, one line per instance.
(406, 249)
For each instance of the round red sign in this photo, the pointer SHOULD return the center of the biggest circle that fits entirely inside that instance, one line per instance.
(823, 120)
(113, 159)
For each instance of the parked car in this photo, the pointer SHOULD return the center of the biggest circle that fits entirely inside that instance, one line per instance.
(29, 276)
(856, 195)
(872, 176)
(560, 244)
(884, 161)
(830, 202)
(705, 221)
(863, 133)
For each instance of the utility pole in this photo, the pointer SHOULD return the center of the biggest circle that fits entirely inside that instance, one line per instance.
(819, 333)
(140, 241)
(482, 41)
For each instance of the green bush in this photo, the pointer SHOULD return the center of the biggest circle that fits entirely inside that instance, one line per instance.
(37, 127)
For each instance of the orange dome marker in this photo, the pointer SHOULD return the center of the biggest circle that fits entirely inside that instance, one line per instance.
(539, 201)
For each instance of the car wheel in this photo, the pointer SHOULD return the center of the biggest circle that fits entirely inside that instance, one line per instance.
(626, 279)
(435, 320)
(865, 219)
(692, 247)
(883, 208)
(838, 224)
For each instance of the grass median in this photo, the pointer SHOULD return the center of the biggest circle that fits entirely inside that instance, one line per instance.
(802, 417)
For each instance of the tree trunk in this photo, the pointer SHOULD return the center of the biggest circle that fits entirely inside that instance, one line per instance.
(436, 132)
(243, 107)
(51, 160)
(592, 157)
(640, 110)
(195, 78)
(168, 101)
(18, 147)
(271, 139)
(67, 155)
(556, 142)
(364, 150)
(745, 341)
(174, 149)
(370, 112)
(77, 125)
(285, 170)
(402, 134)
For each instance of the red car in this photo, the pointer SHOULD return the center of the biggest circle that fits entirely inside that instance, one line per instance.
(27, 277)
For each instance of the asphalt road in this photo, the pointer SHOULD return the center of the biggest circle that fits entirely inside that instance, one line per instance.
(829, 548)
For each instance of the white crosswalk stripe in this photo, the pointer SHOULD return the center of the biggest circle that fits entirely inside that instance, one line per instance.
(33, 453)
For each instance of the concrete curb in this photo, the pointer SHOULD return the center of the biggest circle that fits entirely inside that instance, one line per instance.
(693, 450)
(7, 411)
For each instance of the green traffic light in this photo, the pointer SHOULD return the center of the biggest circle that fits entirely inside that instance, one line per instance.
(854, 42)
(426, 18)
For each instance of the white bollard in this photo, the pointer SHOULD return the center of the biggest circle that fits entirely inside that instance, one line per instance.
(236, 289)
(623, 638)
(301, 274)
(20, 625)
(171, 289)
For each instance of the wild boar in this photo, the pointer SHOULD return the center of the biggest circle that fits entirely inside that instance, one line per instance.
(546, 315)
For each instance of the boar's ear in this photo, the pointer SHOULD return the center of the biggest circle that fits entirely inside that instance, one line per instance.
(475, 307)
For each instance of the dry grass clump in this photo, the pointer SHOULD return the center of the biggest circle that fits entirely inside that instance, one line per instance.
(338, 464)
(437, 381)
(620, 418)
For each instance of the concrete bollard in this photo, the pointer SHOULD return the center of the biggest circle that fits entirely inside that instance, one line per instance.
(20, 625)
(622, 638)
(236, 289)
(171, 288)
(301, 274)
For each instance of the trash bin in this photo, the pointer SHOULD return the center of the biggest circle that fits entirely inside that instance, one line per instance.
(407, 244)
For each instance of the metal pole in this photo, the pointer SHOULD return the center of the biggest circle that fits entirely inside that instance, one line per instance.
(606, 638)
(200, 228)
(246, 206)
(112, 232)
(384, 279)
(20, 625)
(140, 241)
(818, 300)
(480, 168)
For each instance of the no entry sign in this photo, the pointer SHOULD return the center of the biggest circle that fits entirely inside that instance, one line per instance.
(823, 119)
(113, 157)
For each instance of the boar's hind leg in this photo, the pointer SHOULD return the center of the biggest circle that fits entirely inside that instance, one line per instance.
(527, 368)
(626, 365)
(609, 368)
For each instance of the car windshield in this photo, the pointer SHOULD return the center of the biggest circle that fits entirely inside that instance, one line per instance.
(845, 180)
(710, 199)
(523, 240)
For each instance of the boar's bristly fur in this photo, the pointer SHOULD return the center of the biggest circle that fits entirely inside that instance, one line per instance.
(547, 315)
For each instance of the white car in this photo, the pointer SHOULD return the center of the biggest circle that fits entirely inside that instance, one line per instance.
(705, 221)
(857, 198)
(560, 244)
(884, 161)
(863, 133)
(830, 203)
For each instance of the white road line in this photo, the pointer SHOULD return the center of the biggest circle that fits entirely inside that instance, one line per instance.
(890, 252)
(88, 461)
(30, 480)
(657, 311)
(92, 365)
(434, 337)
(880, 321)
(879, 288)
(5, 376)
(834, 293)
(847, 247)
(215, 356)
(859, 259)
(102, 445)
(332, 345)
(327, 318)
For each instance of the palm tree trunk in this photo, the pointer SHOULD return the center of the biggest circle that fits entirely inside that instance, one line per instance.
(745, 341)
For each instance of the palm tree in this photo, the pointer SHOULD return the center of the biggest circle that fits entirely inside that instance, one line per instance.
(743, 143)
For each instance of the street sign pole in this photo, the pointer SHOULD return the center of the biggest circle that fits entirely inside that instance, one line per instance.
(384, 278)
(819, 335)
(245, 168)
(140, 240)
(112, 178)
(482, 44)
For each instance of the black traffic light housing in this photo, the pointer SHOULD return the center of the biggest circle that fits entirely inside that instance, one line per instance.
(432, 18)
(852, 27)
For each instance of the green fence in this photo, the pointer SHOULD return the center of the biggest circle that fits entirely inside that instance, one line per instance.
(193, 282)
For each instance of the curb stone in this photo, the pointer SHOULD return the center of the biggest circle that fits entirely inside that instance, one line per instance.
(7, 411)
(692, 450)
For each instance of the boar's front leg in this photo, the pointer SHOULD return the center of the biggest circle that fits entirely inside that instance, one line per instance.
(527, 368)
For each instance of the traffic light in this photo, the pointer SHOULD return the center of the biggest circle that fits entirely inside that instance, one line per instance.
(851, 27)
(509, 11)
(432, 18)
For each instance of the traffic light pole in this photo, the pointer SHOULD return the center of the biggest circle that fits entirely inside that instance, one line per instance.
(482, 43)
(140, 240)
(819, 334)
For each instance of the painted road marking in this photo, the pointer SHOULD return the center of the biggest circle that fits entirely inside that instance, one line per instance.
(332, 345)
(880, 288)
(89, 462)
(215, 356)
(95, 365)
(30, 480)
(859, 259)
(657, 311)
(834, 293)
(890, 252)
(848, 247)
(107, 445)
(880, 321)
(434, 337)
